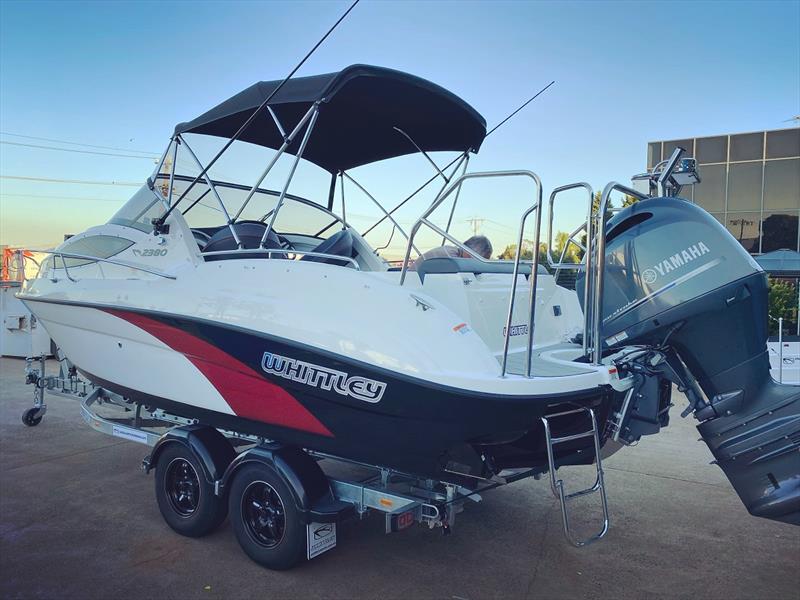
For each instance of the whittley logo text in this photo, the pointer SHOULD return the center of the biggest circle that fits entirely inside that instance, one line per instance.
(340, 382)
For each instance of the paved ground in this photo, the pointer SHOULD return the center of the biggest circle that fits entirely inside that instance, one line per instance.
(78, 520)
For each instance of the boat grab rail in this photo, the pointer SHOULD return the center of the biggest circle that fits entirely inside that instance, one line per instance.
(588, 227)
(113, 261)
(270, 252)
(600, 269)
(456, 185)
(559, 190)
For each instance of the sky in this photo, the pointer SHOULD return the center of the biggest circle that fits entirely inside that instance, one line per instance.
(122, 74)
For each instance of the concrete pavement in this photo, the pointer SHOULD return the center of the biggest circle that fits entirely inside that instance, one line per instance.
(78, 520)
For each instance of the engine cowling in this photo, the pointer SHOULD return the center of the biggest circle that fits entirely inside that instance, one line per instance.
(676, 278)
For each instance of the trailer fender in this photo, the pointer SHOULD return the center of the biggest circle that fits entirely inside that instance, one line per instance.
(305, 478)
(209, 446)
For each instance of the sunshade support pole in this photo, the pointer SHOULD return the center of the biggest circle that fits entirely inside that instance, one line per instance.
(280, 152)
(455, 199)
(172, 170)
(297, 158)
(213, 191)
(281, 130)
(457, 159)
(160, 221)
(332, 191)
(380, 206)
(341, 186)
(421, 151)
(451, 163)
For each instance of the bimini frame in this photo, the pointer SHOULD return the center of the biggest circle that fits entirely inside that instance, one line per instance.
(306, 127)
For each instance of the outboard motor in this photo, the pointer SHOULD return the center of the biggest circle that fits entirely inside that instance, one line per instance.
(678, 282)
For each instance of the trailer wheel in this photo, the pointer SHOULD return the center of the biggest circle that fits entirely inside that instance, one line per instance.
(185, 498)
(265, 518)
(31, 418)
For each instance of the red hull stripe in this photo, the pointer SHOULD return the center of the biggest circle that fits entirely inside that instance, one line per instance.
(245, 390)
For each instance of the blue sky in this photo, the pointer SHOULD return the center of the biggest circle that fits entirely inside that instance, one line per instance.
(123, 74)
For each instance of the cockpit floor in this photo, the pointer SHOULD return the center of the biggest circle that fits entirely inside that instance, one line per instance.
(550, 361)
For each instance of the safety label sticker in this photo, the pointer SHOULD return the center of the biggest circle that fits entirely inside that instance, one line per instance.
(129, 434)
(321, 537)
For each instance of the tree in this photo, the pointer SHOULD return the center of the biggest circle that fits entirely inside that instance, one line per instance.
(510, 252)
(782, 303)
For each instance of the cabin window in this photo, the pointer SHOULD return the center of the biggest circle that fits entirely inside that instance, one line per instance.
(99, 246)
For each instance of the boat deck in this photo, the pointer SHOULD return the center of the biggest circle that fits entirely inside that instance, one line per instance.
(550, 361)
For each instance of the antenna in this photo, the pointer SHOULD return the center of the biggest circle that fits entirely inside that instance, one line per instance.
(158, 223)
(452, 162)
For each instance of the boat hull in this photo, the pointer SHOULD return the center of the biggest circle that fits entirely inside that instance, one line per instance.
(258, 384)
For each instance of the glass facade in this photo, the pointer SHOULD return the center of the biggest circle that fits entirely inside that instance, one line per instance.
(750, 183)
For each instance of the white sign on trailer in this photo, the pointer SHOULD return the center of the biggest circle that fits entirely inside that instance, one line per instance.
(321, 537)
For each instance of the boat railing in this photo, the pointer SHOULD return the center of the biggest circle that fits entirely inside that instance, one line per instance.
(600, 269)
(586, 227)
(285, 252)
(454, 186)
(114, 261)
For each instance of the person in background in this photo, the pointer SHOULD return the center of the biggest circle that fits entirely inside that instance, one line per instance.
(479, 244)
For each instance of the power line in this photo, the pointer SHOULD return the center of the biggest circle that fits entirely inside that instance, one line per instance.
(475, 224)
(76, 150)
(44, 139)
(80, 181)
(46, 197)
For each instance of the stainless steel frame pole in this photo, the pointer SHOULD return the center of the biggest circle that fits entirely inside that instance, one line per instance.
(297, 158)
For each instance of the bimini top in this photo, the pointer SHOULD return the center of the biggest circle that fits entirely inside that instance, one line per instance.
(359, 108)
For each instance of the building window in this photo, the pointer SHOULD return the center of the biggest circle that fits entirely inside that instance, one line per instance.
(710, 192)
(744, 227)
(712, 149)
(653, 154)
(783, 144)
(779, 230)
(669, 147)
(782, 184)
(747, 146)
(744, 186)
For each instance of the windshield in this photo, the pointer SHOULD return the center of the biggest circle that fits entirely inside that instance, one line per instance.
(201, 208)
(139, 211)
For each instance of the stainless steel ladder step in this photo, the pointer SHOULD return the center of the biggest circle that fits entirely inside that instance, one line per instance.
(557, 485)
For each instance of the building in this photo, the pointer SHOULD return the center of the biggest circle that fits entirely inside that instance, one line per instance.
(750, 183)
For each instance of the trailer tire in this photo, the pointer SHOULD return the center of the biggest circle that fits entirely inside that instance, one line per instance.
(265, 517)
(185, 497)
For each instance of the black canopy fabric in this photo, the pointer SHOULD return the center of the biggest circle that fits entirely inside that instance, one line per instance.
(360, 107)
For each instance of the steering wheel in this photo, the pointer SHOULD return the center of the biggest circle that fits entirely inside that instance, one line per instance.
(285, 244)
(200, 237)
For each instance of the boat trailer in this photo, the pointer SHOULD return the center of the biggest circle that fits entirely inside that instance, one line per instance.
(205, 465)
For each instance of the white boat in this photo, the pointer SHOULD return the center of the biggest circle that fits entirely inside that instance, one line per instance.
(280, 321)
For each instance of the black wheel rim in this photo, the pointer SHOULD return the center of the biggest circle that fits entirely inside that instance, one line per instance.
(182, 486)
(263, 513)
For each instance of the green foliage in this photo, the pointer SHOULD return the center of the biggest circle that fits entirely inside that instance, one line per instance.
(527, 253)
(782, 303)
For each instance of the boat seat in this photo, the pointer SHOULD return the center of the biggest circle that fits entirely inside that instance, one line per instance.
(250, 234)
(339, 244)
(431, 266)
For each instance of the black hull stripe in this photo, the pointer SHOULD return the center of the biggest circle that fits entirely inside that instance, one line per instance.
(377, 371)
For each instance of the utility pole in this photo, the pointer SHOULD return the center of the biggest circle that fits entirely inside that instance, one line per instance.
(475, 223)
